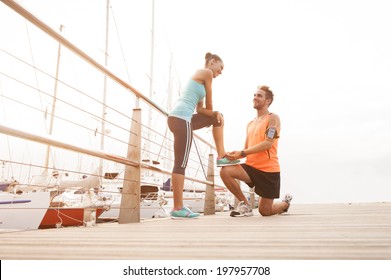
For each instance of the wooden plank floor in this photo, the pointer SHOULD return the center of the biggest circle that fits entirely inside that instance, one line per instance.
(327, 231)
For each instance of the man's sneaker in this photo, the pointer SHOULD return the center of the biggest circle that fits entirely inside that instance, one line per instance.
(287, 198)
(184, 213)
(220, 162)
(242, 210)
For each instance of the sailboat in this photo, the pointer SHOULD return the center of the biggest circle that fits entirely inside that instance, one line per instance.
(74, 203)
(22, 211)
(59, 206)
(70, 202)
(151, 201)
(19, 210)
(4, 185)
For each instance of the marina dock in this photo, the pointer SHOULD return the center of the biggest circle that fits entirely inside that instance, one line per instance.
(358, 231)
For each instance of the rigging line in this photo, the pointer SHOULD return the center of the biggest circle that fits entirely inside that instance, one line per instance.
(50, 152)
(153, 153)
(156, 143)
(203, 170)
(8, 142)
(63, 83)
(63, 171)
(76, 81)
(151, 130)
(73, 48)
(35, 72)
(173, 60)
(5, 118)
(161, 146)
(120, 44)
(85, 118)
(65, 102)
(66, 120)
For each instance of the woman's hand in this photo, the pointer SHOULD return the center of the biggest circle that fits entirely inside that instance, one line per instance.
(219, 117)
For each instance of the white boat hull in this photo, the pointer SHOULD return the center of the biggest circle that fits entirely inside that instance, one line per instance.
(23, 211)
(148, 210)
(192, 200)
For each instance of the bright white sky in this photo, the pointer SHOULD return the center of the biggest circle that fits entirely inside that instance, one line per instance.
(328, 63)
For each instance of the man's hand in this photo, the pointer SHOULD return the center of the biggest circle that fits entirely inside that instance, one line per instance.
(233, 155)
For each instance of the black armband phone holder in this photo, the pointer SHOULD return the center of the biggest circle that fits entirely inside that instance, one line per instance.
(271, 133)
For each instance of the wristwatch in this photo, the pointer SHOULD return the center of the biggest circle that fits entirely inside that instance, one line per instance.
(243, 154)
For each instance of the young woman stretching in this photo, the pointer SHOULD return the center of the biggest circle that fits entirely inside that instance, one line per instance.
(197, 95)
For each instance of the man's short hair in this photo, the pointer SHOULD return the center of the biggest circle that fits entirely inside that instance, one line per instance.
(269, 93)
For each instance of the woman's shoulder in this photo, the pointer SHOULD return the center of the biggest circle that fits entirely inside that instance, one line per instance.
(202, 74)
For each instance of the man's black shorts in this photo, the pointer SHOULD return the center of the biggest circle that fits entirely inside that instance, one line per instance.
(267, 184)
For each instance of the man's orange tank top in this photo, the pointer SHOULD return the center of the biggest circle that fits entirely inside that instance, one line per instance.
(267, 160)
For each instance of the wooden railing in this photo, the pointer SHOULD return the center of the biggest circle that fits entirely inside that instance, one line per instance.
(130, 203)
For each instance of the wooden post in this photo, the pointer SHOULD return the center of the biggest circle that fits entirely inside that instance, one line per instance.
(130, 199)
(210, 197)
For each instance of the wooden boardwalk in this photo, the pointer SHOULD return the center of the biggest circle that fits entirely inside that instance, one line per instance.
(320, 232)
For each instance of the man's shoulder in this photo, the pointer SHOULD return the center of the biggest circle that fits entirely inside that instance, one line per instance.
(274, 116)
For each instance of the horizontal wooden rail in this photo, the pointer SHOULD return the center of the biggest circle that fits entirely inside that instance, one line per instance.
(55, 142)
(73, 48)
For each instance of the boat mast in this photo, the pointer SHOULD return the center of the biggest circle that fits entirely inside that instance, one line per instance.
(104, 106)
(151, 81)
(169, 107)
(170, 86)
(166, 144)
(151, 70)
(54, 102)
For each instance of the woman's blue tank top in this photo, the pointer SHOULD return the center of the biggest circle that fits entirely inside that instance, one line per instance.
(193, 93)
